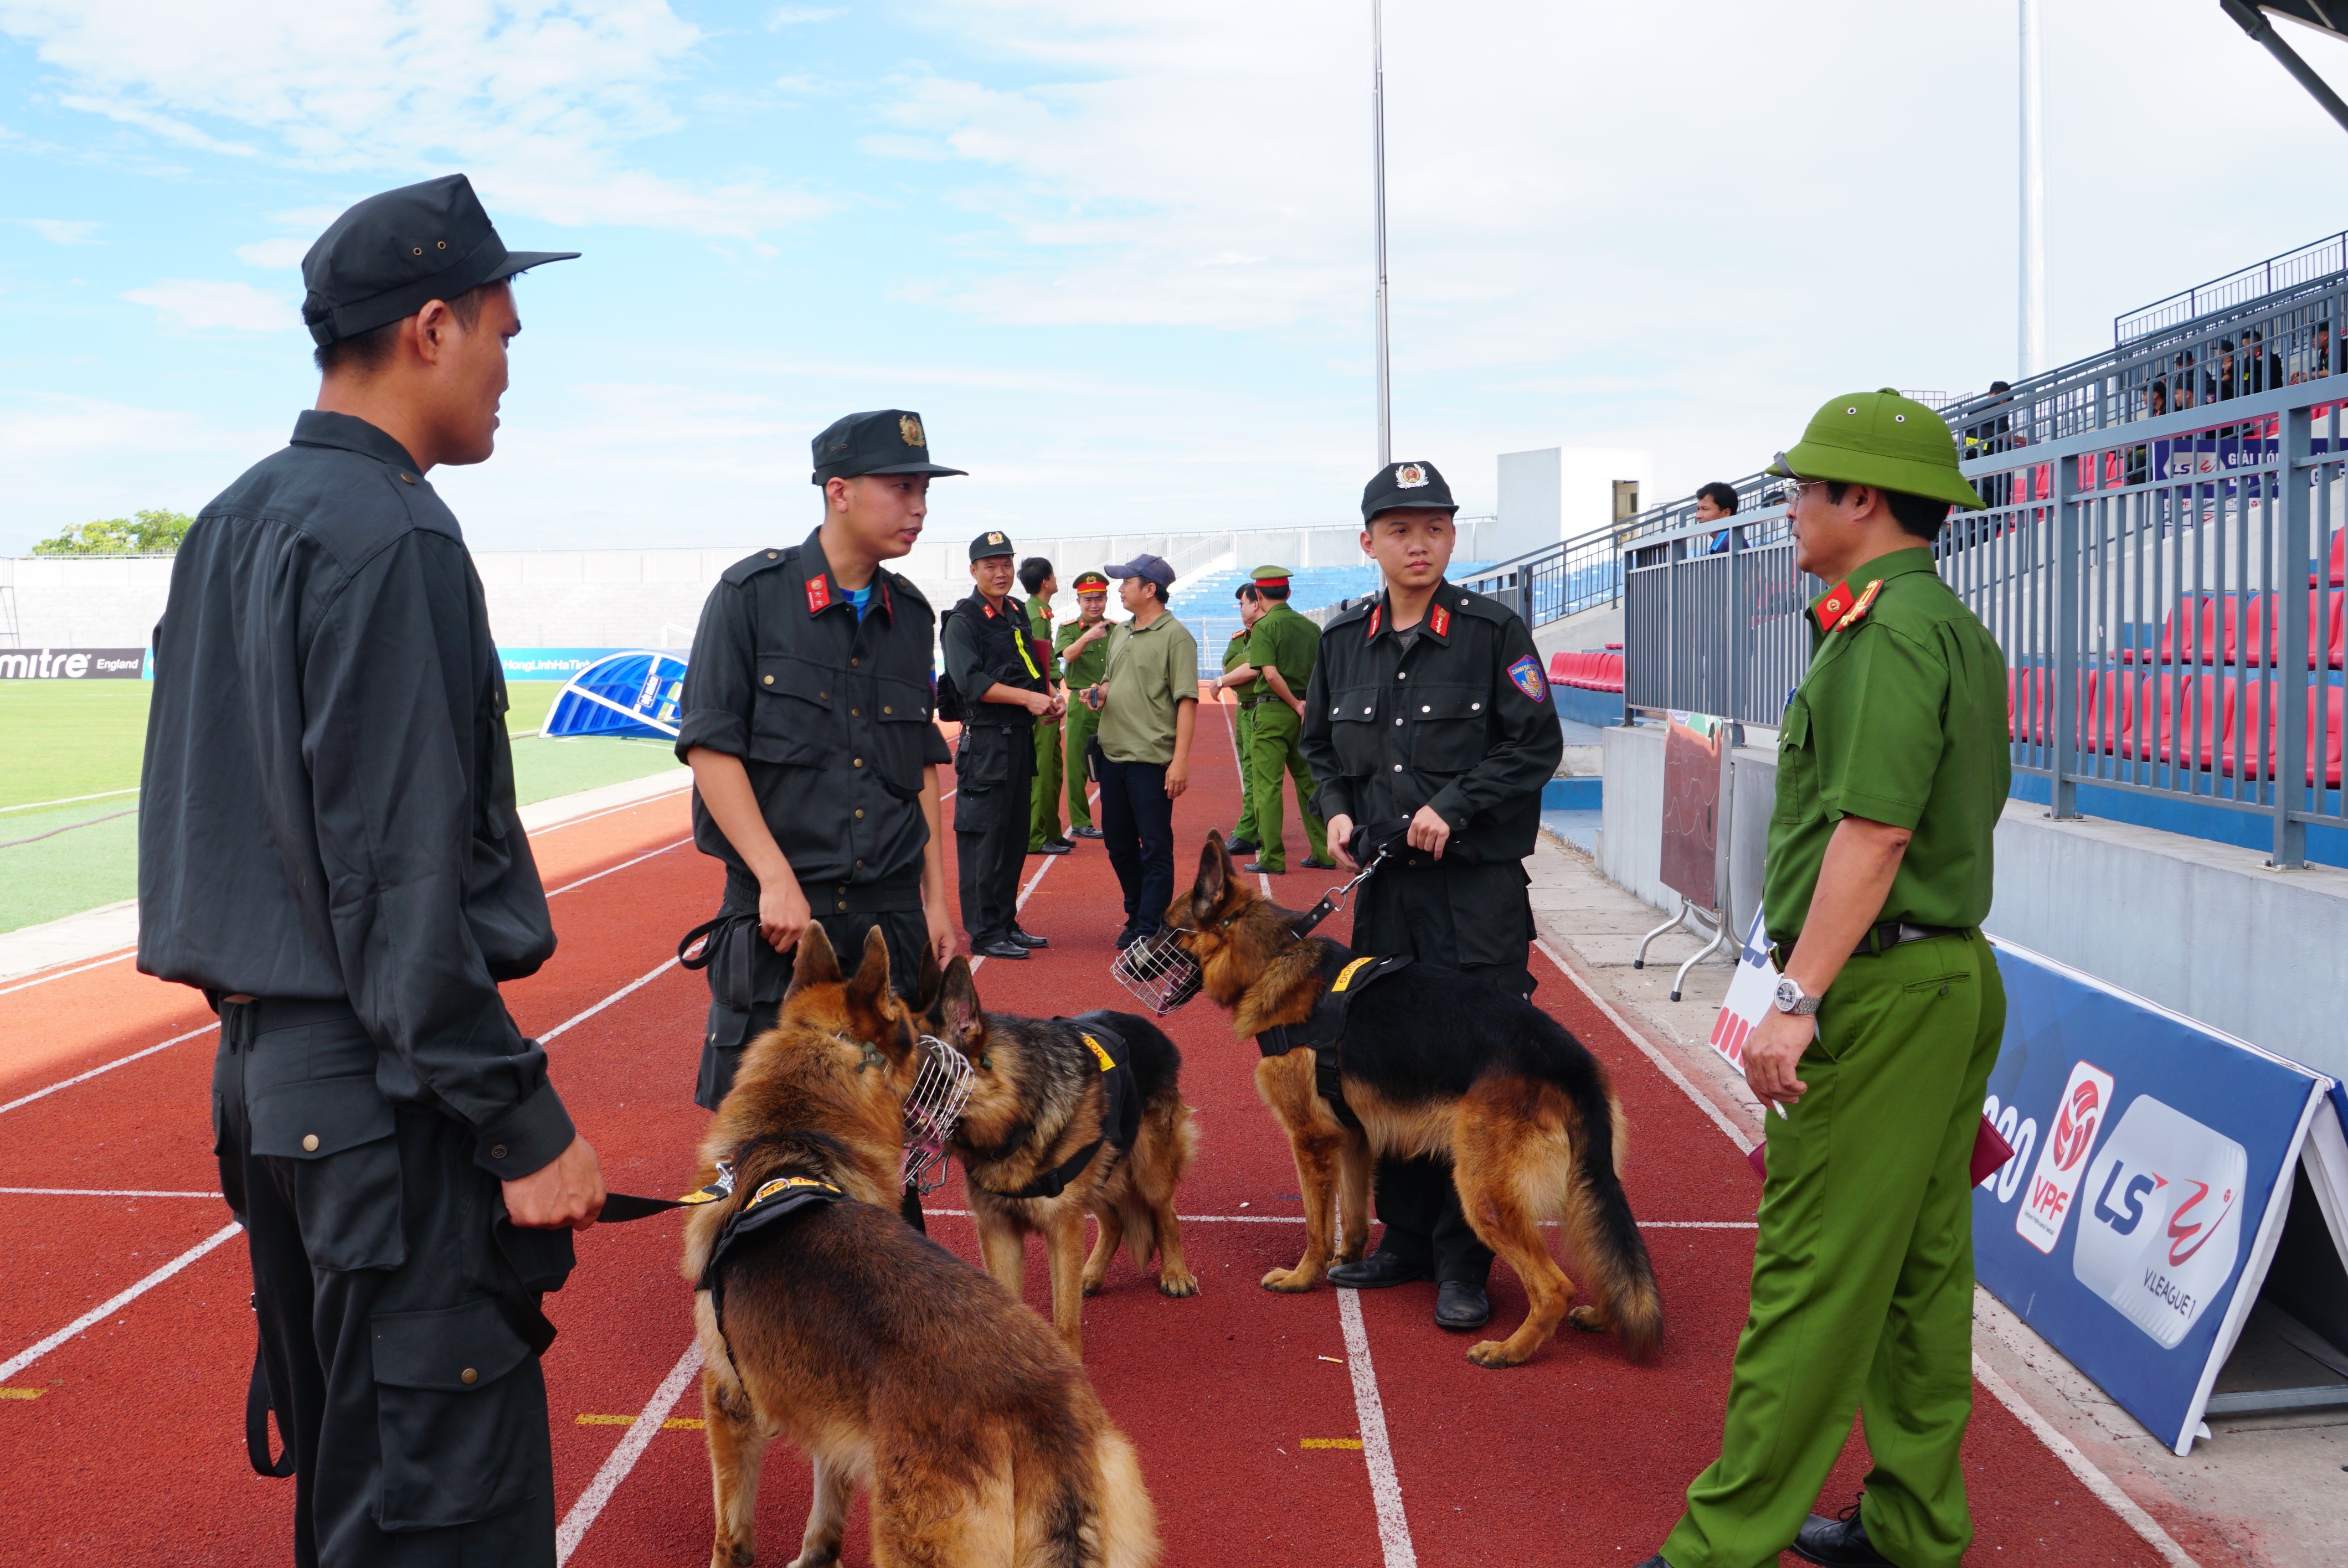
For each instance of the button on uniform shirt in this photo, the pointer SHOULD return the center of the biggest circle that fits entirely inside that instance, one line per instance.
(1086, 668)
(327, 805)
(1455, 714)
(830, 715)
(1902, 719)
(1150, 670)
(988, 645)
(1286, 642)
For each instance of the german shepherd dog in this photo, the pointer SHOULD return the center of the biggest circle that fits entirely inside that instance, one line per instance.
(1434, 1063)
(886, 1359)
(1038, 1098)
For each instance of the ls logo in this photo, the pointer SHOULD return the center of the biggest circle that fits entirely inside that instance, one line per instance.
(2163, 1230)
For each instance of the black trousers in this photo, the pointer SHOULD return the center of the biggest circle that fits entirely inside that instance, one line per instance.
(1479, 921)
(393, 1297)
(732, 1029)
(1137, 822)
(995, 769)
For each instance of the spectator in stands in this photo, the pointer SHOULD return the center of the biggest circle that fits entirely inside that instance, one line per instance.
(2261, 370)
(1713, 502)
(1044, 794)
(1149, 706)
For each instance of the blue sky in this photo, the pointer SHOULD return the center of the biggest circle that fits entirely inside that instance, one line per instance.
(1118, 256)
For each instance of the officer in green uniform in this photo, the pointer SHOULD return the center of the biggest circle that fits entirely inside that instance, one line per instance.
(1246, 686)
(1082, 647)
(1035, 575)
(1892, 771)
(1280, 651)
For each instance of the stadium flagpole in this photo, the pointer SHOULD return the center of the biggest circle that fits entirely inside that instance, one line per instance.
(2032, 333)
(1378, 171)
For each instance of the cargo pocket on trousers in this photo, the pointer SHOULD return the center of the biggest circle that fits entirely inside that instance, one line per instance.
(342, 1135)
(454, 1424)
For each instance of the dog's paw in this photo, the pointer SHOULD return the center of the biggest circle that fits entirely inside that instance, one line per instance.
(1094, 1287)
(1491, 1353)
(1589, 1320)
(1353, 1250)
(1172, 1284)
(1291, 1280)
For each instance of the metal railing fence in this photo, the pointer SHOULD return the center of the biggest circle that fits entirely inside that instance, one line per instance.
(1557, 580)
(2169, 606)
(2292, 268)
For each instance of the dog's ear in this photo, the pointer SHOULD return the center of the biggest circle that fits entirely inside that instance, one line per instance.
(960, 1022)
(871, 983)
(1215, 872)
(816, 965)
(927, 982)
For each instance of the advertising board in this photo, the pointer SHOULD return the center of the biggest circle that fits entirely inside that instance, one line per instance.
(72, 663)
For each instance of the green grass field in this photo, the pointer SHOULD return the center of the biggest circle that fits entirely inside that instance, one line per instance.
(61, 740)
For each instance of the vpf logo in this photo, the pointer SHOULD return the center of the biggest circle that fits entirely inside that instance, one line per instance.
(2074, 1124)
(2163, 1230)
(2056, 1182)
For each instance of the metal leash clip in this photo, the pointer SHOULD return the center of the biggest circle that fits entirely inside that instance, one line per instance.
(1334, 899)
(933, 1110)
(1158, 970)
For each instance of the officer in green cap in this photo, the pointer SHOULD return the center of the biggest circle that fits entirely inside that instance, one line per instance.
(1082, 645)
(1245, 687)
(1281, 651)
(1892, 771)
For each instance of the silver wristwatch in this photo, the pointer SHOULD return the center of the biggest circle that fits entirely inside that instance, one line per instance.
(1791, 998)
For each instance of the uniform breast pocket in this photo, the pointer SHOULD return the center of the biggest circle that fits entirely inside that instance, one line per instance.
(1795, 769)
(1446, 726)
(904, 716)
(793, 720)
(1354, 730)
(341, 1138)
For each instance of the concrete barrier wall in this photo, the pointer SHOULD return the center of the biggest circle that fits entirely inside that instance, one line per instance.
(2200, 928)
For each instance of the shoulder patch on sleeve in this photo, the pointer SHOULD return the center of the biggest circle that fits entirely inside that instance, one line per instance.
(750, 566)
(1527, 674)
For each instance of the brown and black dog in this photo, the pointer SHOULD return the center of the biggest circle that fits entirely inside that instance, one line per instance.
(888, 1360)
(1044, 1092)
(1434, 1063)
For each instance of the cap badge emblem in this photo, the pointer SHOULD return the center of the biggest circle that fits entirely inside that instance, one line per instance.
(1409, 476)
(909, 426)
(994, 538)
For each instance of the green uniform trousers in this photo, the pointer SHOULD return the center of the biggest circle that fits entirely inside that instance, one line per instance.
(1243, 730)
(1044, 792)
(1078, 728)
(1274, 752)
(1863, 1271)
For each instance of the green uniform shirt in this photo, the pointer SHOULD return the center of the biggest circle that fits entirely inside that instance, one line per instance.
(1900, 720)
(1039, 623)
(1086, 668)
(1286, 642)
(1150, 670)
(1235, 654)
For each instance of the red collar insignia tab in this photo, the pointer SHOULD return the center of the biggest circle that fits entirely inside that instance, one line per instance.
(1829, 609)
(819, 592)
(1441, 620)
(1377, 612)
(990, 612)
(1858, 612)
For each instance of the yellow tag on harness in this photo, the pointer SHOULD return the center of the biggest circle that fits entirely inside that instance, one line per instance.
(708, 1194)
(785, 1184)
(1346, 975)
(1107, 1065)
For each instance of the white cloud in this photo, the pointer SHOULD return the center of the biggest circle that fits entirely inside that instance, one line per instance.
(800, 16)
(538, 100)
(276, 253)
(63, 230)
(193, 304)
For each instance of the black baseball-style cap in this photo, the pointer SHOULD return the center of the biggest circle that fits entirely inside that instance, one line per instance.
(393, 254)
(884, 441)
(1151, 567)
(994, 542)
(1406, 485)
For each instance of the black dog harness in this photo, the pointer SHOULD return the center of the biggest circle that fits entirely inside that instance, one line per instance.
(1120, 1108)
(1324, 1033)
(777, 1199)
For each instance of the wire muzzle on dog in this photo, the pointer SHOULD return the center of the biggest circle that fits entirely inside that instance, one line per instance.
(932, 1108)
(1161, 974)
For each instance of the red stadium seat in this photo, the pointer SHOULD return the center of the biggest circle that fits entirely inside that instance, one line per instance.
(2190, 636)
(2257, 717)
(2179, 719)
(1559, 664)
(2263, 644)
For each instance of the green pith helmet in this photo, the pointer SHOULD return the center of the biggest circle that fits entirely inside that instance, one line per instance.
(1883, 440)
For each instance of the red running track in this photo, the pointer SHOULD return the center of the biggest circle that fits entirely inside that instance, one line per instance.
(128, 1434)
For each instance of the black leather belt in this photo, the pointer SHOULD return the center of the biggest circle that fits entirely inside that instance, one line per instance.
(263, 1015)
(1877, 938)
(1253, 701)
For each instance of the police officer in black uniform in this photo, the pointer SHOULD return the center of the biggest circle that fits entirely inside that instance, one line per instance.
(328, 847)
(1004, 692)
(809, 727)
(1429, 725)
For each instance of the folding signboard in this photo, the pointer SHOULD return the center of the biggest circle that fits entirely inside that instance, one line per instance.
(634, 692)
(2155, 1161)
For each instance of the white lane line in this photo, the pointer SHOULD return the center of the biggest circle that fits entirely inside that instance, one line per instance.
(1299, 1219)
(61, 974)
(93, 1072)
(2105, 1488)
(623, 866)
(98, 1193)
(2080, 1465)
(68, 800)
(635, 985)
(1370, 1413)
(622, 1459)
(99, 1313)
(1736, 1135)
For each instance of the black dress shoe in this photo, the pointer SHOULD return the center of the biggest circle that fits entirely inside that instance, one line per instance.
(1051, 846)
(1460, 1306)
(1838, 1543)
(1084, 833)
(1375, 1271)
(1261, 869)
(1236, 845)
(1004, 947)
(1655, 1562)
(1314, 863)
(1029, 938)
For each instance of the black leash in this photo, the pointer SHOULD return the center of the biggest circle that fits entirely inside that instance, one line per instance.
(1334, 899)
